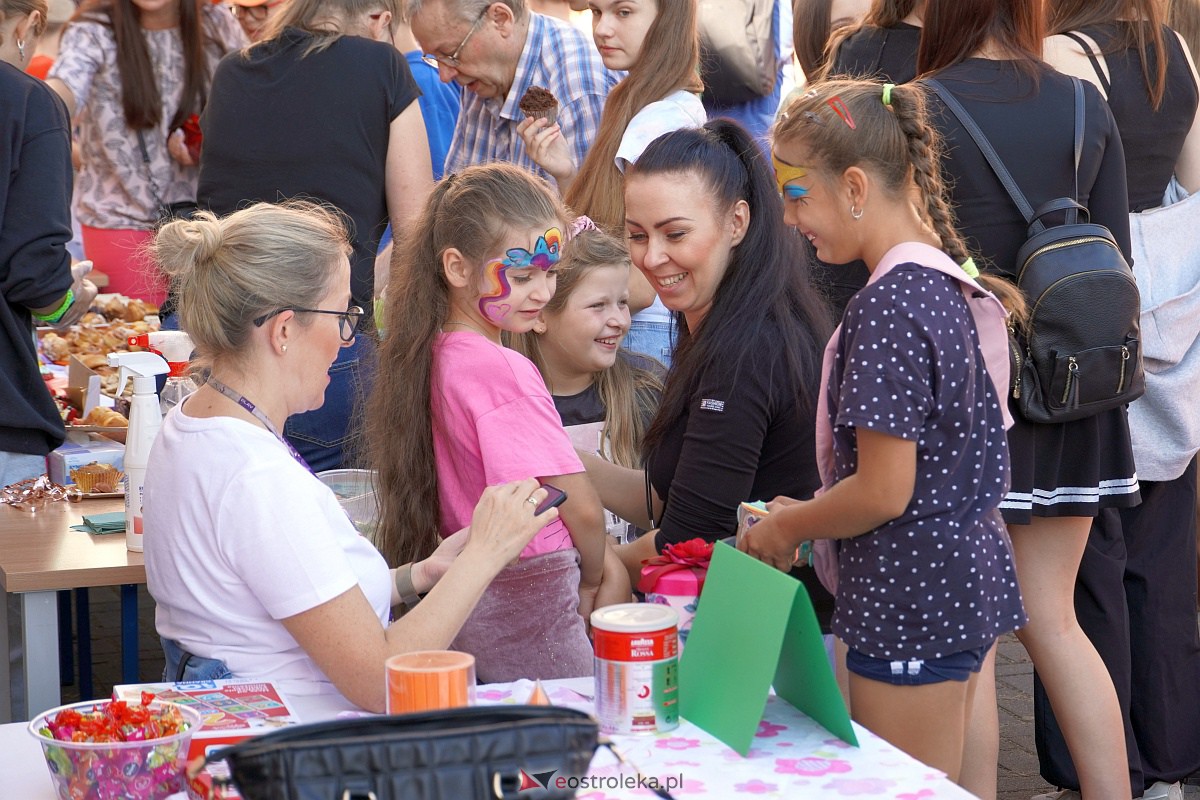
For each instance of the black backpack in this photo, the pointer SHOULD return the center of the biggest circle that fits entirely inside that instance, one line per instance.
(1080, 353)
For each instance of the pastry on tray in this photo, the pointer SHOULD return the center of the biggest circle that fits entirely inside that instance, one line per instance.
(97, 478)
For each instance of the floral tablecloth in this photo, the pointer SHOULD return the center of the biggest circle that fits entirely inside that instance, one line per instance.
(792, 757)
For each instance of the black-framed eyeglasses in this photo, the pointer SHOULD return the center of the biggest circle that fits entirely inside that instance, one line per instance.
(347, 325)
(257, 13)
(433, 59)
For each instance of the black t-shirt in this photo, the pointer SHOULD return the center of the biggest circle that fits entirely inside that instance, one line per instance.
(1152, 139)
(1031, 126)
(583, 414)
(885, 54)
(745, 436)
(281, 126)
(35, 269)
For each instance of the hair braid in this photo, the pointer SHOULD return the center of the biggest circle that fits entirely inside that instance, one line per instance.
(924, 152)
(924, 148)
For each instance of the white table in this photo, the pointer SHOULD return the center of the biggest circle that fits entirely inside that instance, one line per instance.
(792, 757)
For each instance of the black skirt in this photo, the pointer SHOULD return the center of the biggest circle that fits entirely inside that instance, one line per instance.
(1071, 469)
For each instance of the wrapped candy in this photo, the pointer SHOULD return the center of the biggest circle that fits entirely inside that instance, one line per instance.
(117, 750)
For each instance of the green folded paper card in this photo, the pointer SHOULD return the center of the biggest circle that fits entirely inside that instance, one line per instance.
(754, 627)
(100, 524)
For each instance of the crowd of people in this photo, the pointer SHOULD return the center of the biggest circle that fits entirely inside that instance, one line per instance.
(640, 301)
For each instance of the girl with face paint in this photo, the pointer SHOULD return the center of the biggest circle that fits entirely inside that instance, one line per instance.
(455, 412)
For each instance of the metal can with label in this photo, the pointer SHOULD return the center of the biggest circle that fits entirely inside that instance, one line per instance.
(637, 668)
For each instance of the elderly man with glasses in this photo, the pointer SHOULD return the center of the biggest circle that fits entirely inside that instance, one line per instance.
(496, 51)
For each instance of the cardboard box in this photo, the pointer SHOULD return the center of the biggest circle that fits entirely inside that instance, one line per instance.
(233, 711)
(77, 451)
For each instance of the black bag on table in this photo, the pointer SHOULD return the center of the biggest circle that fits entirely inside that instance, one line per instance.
(456, 754)
(1080, 353)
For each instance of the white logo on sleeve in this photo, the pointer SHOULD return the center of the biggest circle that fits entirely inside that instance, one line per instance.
(708, 404)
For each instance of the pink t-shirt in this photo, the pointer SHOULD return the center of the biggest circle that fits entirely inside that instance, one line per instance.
(493, 422)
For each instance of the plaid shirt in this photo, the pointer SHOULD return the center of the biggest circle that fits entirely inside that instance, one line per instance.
(557, 57)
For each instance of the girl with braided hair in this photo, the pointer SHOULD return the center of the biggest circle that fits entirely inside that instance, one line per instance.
(925, 573)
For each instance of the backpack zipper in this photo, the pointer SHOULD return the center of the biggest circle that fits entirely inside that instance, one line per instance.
(1072, 368)
(1058, 246)
(1124, 358)
(1033, 312)
(1016, 352)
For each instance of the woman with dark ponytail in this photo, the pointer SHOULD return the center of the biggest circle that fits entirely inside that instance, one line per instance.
(925, 573)
(736, 418)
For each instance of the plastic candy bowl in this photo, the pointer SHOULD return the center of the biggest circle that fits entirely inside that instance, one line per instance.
(149, 769)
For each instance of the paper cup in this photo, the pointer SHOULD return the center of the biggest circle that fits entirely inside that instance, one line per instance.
(428, 680)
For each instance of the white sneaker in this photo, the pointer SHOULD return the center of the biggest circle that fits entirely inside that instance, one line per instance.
(1060, 794)
(1161, 790)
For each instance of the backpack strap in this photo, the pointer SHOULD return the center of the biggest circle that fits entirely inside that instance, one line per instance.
(1096, 65)
(1006, 179)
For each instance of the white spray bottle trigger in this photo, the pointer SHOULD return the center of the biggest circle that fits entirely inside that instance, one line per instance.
(142, 367)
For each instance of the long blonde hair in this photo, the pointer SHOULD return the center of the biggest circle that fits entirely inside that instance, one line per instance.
(625, 389)
(669, 61)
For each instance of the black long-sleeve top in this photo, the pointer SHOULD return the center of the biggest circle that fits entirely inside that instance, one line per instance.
(35, 268)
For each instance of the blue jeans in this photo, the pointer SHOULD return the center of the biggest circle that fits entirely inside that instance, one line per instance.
(654, 339)
(324, 437)
(185, 667)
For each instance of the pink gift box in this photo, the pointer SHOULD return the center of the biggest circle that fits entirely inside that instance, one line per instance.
(680, 590)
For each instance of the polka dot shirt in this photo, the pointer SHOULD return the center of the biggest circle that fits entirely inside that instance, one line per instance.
(938, 579)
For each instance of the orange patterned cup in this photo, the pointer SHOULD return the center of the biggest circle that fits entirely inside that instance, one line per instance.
(428, 680)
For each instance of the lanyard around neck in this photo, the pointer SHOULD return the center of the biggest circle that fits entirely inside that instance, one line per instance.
(242, 401)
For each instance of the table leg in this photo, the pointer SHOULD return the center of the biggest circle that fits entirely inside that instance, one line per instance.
(34, 679)
(83, 614)
(66, 661)
(129, 633)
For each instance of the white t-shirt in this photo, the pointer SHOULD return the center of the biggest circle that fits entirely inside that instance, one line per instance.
(238, 536)
(677, 110)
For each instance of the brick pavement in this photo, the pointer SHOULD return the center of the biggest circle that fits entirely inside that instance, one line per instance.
(1018, 776)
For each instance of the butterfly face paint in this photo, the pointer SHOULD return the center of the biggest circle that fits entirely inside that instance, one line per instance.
(494, 303)
(785, 173)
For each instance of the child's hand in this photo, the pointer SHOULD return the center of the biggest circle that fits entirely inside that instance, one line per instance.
(548, 148)
(428, 572)
(614, 586)
(769, 543)
(587, 602)
(782, 502)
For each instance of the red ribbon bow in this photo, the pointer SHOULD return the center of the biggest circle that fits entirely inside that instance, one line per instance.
(692, 554)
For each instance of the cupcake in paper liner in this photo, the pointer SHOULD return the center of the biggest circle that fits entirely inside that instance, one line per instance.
(539, 102)
(97, 478)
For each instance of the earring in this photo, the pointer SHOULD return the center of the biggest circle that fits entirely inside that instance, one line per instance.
(856, 213)
(283, 348)
(21, 50)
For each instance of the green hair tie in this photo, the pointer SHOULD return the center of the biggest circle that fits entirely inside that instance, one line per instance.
(887, 93)
(969, 267)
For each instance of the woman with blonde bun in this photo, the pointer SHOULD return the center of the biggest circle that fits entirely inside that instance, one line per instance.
(257, 572)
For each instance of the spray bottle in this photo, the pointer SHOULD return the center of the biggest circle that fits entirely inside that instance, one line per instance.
(176, 347)
(144, 421)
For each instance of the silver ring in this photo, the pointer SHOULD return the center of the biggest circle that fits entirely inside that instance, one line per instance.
(531, 500)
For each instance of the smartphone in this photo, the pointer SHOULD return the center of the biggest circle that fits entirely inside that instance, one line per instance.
(556, 497)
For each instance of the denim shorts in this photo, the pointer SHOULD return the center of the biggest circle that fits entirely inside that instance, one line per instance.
(918, 672)
(184, 667)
